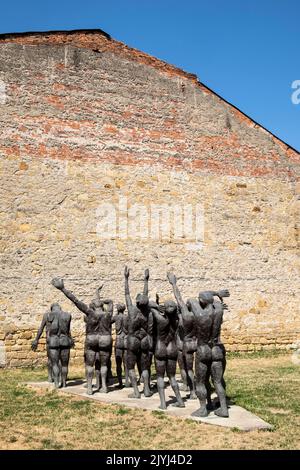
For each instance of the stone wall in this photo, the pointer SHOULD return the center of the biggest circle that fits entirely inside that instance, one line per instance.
(86, 121)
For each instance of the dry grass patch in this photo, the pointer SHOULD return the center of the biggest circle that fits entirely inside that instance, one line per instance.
(266, 385)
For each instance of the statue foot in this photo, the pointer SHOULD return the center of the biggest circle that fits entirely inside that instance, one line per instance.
(89, 391)
(179, 404)
(223, 413)
(134, 395)
(201, 413)
(103, 390)
(162, 407)
(127, 385)
(148, 393)
(193, 396)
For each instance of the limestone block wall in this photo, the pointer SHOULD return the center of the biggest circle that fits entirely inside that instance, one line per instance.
(89, 125)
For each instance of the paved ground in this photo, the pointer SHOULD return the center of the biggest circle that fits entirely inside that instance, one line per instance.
(238, 417)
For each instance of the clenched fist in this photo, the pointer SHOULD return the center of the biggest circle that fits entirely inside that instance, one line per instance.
(58, 283)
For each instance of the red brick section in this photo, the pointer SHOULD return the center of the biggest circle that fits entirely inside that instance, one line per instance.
(222, 153)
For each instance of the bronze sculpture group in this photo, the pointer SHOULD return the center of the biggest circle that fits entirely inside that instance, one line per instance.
(187, 333)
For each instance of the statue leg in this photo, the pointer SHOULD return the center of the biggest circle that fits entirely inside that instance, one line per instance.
(49, 365)
(54, 355)
(90, 357)
(119, 360)
(132, 358)
(184, 387)
(139, 366)
(145, 359)
(203, 359)
(59, 365)
(150, 364)
(208, 389)
(109, 371)
(104, 363)
(201, 371)
(171, 371)
(127, 381)
(224, 367)
(189, 359)
(97, 371)
(217, 372)
(160, 366)
(64, 359)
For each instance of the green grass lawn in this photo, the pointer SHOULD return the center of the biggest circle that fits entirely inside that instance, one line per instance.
(266, 384)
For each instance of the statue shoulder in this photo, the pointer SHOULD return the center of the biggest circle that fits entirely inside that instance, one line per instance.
(193, 305)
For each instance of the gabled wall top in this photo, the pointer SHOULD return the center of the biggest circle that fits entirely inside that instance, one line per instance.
(100, 41)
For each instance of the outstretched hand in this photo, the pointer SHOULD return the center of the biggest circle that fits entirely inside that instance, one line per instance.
(34, 345)
(225, 306)
(58, 283)
(224, 293)
(172, 278)
(126, 272)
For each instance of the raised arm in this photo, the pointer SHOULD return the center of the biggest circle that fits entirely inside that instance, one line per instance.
(98, 291)
(127, 293)
(187, 315)
(177, 294)
(221, 293)
(146, 282)
(59, 284)
(35, 342)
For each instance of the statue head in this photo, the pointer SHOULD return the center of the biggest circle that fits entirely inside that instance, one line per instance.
(206, 298)
(142, 301)
(170, 307)
(55, 308)
(121, 308)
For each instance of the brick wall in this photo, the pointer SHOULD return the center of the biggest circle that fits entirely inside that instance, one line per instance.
(85, 120)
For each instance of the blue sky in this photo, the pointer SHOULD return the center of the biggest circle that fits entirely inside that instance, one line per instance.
(247, 51)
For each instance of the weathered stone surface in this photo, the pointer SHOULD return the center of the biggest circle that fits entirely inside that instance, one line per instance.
(79, 128)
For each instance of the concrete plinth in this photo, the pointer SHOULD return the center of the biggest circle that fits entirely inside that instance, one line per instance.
(239, 418)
